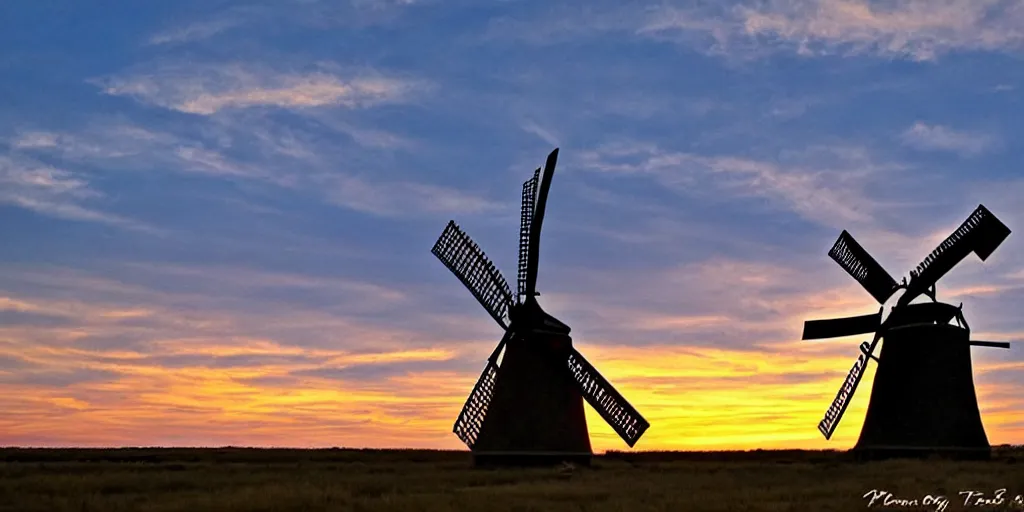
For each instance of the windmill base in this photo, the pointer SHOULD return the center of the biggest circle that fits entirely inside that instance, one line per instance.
(491, 459)
(923, 401)
(916, 452)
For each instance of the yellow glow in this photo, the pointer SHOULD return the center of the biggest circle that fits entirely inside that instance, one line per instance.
(170, 389)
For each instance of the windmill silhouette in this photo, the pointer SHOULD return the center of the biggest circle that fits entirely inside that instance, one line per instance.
(529, 409)
(923, 399)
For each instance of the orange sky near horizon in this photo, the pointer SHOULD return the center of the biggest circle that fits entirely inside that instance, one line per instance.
(696, 398)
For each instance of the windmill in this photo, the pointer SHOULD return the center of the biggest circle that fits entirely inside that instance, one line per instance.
(923, 399)
(529, 409)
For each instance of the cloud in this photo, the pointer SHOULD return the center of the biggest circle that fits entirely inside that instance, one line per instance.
(915, 29)
(122, 146)
(367, 137)
(294, 158)
(404, 198)
(544, 134)
(31, 140)
(927, 137)
(822, 184)
(193, 32)
(46, 190)
(196, 159)
(918, 30)
(205, 90)
(57, 379)
(381, 373)
(99, 141)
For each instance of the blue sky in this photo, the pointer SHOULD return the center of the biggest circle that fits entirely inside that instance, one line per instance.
(217, 215)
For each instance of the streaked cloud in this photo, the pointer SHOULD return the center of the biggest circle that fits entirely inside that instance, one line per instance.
(916, 30)
(205, 90)
(824, 184)
(291, 160)
(35, 186)
(928, 137)
(405, 198)
(196, 31)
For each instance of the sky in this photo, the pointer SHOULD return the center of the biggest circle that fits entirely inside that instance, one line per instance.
(216, 216)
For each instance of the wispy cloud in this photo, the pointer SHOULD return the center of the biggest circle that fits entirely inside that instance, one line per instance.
(54, 192)
(32, 140)
(205, 90)
(126, 146)
(288, 158)
(823, 184)
(544, 134)
(917, 29)
(920, 30)
(928, 137)
(196, 31)
(404, 198)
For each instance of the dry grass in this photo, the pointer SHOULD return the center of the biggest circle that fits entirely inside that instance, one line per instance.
(151, 480)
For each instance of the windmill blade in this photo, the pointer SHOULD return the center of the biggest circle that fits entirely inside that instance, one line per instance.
(835, 412)
(991, 234)
(981, 233)
(467, 426)
(471, 418)
(525, 223)
(839, 327)
(468, 262)
(611, 405)
(859, 264)
(533, 253)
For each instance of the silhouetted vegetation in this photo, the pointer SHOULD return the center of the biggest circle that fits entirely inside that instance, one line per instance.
(240, 479)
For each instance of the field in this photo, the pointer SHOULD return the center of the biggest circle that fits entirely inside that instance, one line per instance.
(238, 479)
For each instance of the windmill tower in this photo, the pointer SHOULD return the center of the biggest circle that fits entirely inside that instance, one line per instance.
(529, 409)
(923, 399)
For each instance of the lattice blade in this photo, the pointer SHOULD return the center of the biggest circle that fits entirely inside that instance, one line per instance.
(468, 262)
(525, 223)
(539, 205)
(838, 327)
(471, 419)
(611, 405)
(835, 412)
(859, 264)
(981, 233)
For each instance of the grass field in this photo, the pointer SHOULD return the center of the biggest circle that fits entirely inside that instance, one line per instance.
(238, 479)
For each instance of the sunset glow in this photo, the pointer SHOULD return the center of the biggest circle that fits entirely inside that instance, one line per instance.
(216, 219)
